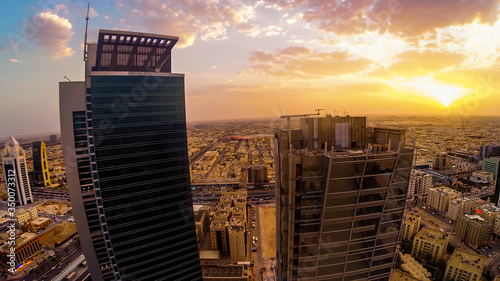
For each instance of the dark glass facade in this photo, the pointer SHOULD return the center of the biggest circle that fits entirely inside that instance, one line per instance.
(140, 169)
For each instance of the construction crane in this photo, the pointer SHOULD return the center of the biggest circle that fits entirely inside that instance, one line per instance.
(86, 28)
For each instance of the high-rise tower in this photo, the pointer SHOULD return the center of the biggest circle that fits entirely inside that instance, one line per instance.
(14, 166)
(40, 164)
(339, 211)
(125, 151)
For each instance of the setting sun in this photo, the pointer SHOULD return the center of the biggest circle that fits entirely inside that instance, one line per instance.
(445, 94)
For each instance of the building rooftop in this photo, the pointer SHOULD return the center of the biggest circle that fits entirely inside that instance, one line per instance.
(40, 220)
(466, 260)
(223, 271)
(432, 235)
(475, 217)
(21, 239)
(446, 191)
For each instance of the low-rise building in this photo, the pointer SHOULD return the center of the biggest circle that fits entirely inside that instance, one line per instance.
(27, 245)
(457, 207)
(442, 162)
(464, 266)
(411, 227)
(474, 229)
(439, 198)
(429, 243)
(213, 272)
(484, 175)
(415, 269)
(39, 223)
(25, 215)
(398, 275)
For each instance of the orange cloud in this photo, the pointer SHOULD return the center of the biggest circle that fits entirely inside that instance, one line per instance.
(304, 63)
(415, 63)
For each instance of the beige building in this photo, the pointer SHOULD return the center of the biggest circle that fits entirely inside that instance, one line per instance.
(237, 238)
(442, 162)
(218, 234)
(474, 229)
(420, 183)
(487, 176)
(415, 269)
(411, 226)
(39, 223)
(458, 207)
(464, 266)
(202, 223)
(429, 242)
(26, 215)
(27, 245)
(439, 198)
(228, 227)
(487, 211)
(398, 275)
(496, 226)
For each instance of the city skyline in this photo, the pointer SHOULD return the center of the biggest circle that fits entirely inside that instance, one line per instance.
(256, 60)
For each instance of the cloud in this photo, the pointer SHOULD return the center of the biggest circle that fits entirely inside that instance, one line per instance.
(303, 63)
(93, 13)
(404, 17)
(53, 32)
(2, 48)
(15, 61)
(416, 63)
(189, 20)
(295, 18)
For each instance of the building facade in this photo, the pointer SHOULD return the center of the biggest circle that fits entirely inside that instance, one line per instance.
(26, 215)
(420, 184)
(40, 165)
(442, 162)
(411, 226)
(125, 151)
(338, 212)
(492, 165)
(487, 151)
(458, 207)
(15, 172)
(464, 266)
(474, 229)
(439, 198)
(429, 243)
(27, 245)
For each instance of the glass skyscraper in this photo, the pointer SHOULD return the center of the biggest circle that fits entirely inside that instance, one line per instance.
(339, 210)
(125, 149)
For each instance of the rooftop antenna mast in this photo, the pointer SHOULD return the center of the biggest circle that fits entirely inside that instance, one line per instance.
(85, 40)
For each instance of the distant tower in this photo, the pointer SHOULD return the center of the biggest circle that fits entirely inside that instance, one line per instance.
(14, 162)
(40, 164)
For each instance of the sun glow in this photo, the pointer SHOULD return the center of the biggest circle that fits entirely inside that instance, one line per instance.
(445, 94)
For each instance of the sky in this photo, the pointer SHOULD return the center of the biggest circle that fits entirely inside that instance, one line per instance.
(256, 59)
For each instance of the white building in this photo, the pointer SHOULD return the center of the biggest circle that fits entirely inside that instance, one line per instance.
(14, 164)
